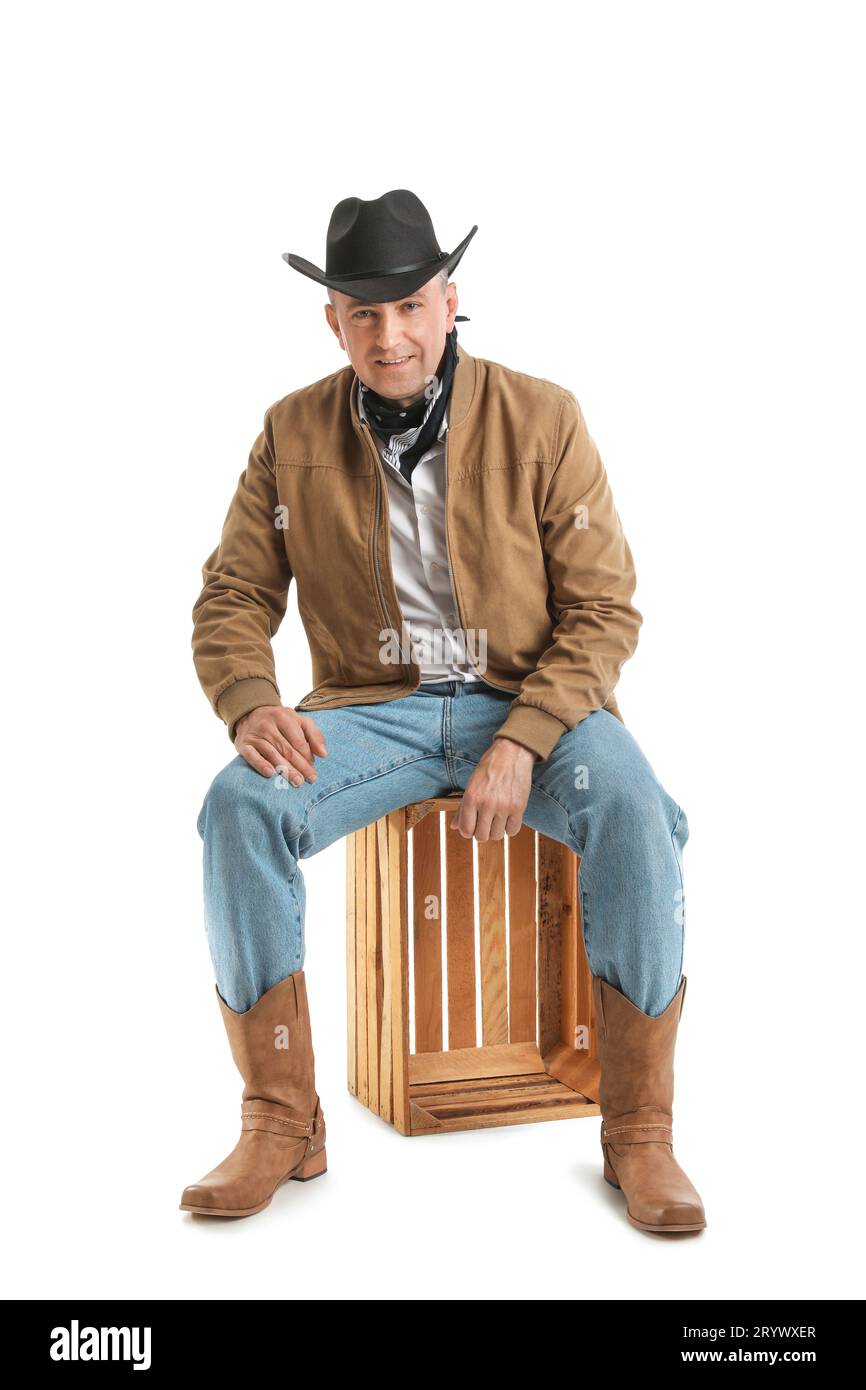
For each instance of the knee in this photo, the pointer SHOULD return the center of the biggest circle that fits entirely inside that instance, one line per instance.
(636, 802)
(237, 796)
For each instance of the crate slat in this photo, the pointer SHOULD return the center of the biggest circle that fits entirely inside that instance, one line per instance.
(373, 940)
(463, 1063)
(397, 944)
(383, 971)
(351, 982)
(549, 944)
(522, 931)
(492, 941)
(460, 939)
(427, 934)
(366, 899)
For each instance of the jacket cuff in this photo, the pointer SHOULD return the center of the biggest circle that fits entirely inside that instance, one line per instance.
(244, 695)
(534, 728)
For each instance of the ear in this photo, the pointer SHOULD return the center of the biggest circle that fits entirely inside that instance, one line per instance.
(334, 322)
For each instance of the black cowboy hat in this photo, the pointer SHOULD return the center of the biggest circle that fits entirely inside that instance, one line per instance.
(380, 249)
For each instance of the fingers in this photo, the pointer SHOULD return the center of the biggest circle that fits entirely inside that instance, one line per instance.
(464, 819)
(255, 759)
(315, 737)
(286, 761)
(273, 738)
(480, 821)
(290, 774)
(263, 755)
(288, 727)
(489, 826)
(290, 756)
(281, 740)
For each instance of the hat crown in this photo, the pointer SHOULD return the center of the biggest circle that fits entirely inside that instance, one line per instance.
(381, 249)
(369, 236)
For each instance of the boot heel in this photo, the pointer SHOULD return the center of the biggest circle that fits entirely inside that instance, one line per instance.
(312, 1167)
(609, 1174)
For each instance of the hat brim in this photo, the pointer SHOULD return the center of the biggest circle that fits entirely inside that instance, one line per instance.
(383, 288)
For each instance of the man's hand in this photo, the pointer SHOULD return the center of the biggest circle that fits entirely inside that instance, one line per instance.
(273, 738)
(497, 792)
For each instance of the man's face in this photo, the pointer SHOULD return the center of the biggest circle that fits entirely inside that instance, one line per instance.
(396, 347)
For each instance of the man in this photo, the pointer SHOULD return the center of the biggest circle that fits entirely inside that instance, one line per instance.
(451, 531)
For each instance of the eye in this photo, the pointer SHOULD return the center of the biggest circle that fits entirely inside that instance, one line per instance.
(358, 313)
(413, 304)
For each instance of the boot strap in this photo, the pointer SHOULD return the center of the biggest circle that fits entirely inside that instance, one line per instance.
(645, 1126)
(276, 1119)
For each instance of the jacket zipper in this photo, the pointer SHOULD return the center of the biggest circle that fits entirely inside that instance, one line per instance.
(454, 592)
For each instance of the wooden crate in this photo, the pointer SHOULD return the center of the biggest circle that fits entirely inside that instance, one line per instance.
(536, 1057)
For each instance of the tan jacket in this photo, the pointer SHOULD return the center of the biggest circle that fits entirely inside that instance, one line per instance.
(540, 566)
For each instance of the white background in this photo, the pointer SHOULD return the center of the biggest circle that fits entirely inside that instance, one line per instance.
(671, 224)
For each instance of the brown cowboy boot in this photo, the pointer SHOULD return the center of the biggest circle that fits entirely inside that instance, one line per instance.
(282, 1124)
(636, 1053)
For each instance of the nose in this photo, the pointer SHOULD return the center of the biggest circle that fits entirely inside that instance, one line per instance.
(388, 337)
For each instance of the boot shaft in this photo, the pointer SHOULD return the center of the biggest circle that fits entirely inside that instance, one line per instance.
(636, 1051)
(272, 1046)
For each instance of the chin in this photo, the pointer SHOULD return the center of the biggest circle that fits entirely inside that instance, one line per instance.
(398, 384)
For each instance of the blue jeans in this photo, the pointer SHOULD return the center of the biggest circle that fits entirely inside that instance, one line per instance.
(596, 793)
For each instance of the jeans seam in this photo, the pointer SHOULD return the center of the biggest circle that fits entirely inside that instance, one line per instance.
(360, 782)
(447, 745)
(584, 914)
(682, 893)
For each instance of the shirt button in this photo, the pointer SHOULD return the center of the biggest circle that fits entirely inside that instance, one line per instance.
(422, 507)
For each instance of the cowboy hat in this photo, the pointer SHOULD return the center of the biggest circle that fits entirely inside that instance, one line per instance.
(379, 249)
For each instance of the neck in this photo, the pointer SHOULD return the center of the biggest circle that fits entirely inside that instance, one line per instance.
(403, 400)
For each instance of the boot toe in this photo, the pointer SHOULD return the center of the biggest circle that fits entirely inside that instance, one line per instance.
(200, 1195)
(206, 1194)
(671, 1215)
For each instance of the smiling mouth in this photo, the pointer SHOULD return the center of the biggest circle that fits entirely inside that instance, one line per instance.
(392, 361)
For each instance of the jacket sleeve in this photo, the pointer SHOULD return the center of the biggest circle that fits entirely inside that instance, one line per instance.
(244, 596)
(591, 579)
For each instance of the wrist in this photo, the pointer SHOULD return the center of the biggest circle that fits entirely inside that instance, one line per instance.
(518, 751)
(241, 722)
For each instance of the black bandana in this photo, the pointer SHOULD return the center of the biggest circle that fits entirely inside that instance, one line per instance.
(409, 431)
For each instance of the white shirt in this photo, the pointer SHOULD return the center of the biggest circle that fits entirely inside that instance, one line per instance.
(419, 559)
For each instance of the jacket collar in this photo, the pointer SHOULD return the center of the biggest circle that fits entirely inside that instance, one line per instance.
(462, 391)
